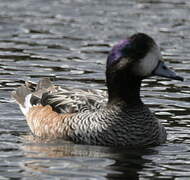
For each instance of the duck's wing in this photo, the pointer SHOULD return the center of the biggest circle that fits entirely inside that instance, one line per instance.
(62, 100)
(66, 100)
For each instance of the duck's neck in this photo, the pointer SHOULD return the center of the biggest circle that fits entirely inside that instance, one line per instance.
(123, 87)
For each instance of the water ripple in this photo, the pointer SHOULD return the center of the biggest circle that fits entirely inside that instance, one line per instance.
(68, 41)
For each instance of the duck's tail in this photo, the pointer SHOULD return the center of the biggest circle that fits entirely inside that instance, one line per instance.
(30, 94)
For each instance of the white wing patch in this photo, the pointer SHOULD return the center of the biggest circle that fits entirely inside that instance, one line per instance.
(27, 105)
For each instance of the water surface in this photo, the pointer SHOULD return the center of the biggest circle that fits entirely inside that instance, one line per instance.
(68, 41)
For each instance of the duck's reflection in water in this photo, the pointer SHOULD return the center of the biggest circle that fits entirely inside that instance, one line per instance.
(64, 159)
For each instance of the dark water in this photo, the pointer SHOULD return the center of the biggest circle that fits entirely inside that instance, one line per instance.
(68, 40)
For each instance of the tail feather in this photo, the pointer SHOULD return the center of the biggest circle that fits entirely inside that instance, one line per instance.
(20, 94)
(30, 94)
(44, 83)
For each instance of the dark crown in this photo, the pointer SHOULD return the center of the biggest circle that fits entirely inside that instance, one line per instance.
(135, 47)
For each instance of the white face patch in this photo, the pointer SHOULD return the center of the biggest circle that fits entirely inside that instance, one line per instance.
(146, 65)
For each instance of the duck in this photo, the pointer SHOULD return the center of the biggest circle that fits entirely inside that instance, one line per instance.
(116, 117)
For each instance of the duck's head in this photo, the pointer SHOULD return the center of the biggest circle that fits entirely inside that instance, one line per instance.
(140, 56)
(134, 59)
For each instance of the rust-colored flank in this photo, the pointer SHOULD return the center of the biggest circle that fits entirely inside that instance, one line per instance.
(44, 122)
